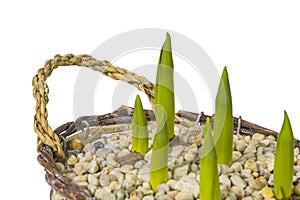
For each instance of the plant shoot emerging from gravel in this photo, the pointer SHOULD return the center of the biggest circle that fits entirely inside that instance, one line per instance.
(140, 132)
(209, 178)
(284, 161)
(159, 157)
(164, 113)
(223, 121)
(164, 87)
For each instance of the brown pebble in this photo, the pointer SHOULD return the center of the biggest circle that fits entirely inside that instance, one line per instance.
(136, 193)
(75, 144)
(107, 170)
(172, 193)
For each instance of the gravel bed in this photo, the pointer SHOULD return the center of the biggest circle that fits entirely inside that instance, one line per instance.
(107, 169)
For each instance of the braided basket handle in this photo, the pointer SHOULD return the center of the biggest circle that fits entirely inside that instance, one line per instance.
(41, 90)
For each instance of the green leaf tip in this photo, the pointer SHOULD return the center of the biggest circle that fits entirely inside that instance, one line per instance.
(167, 44)
(140, 132)
(284, 160)
(209, 178)
(164, 87)
(223, 125)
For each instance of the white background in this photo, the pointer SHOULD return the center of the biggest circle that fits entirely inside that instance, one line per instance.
(259, 41)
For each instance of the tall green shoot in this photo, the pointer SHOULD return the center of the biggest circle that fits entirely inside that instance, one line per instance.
(165, 113)
(284, 161)
(140, 132)
(164, 87)
(209, 178)
(223, 121)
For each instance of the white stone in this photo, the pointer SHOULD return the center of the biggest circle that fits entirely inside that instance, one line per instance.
(180, 171)
(93, 167)
(177, 151)
(92, 179)
(184, 196)
(238, 181)
(240, 145)
(189, 156)
(224, 180)
(187, 184)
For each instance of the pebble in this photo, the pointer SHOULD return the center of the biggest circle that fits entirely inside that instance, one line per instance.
(102, 153)
(184, 196)
(163, 197)
(239, 192)
(104, 180)
(256, 184)
(187, 184)
(93, 167)
(180, 171)
(251, 164)
(104, 195)
(81, 168)
(224, 180)
(238, 181)
(60, 166)
(148, 197)
(139, 164)
(111, 159)
(240, 145)
(297, 189)
(126, 168)
(163, 187)
(72, 160)
(76, 144)
(98, 145)
(258, 136)
(236, 155)
(177, 151)
(144, 174)
(266, 192)
(81, 178)
(224, 169)
(189, 156)
(120, 194)
(82, 184)
(237, 167)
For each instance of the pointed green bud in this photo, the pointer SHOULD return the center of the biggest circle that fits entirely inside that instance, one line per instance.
(223, 121)
(140, 132)
(164, 88)
(284, 161)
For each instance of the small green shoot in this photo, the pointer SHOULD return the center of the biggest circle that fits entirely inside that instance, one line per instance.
(209, 179)
(140, 132)
(284, 161)
(159, 157)
(223, 121)
(164, 88)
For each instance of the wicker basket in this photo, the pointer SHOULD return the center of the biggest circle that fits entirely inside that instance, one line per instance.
(51, 144)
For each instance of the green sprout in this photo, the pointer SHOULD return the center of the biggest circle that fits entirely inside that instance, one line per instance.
(159, 157)
(284, 161)
(140, 132)
(223, 121)
(209, 179)
(165, 114)
(164, 88)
